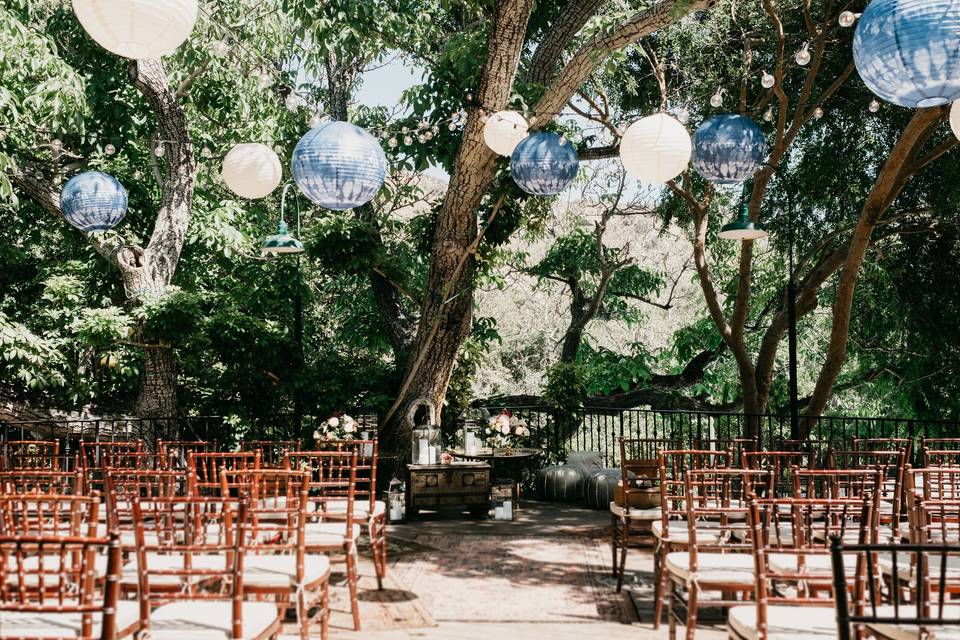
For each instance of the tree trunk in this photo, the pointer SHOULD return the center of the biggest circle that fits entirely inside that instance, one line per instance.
(158, 384)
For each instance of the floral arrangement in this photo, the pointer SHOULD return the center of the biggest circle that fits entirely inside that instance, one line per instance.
(506, 431)
(339, 426)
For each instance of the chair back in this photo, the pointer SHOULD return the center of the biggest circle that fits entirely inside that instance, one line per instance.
(58, 575)
(936, 444)
(941, 458)
(779, 464)
(858, 484)
(124, 487)
(367, 456)
(174, 452)
(719, 497)
(332, 477)
(901, 590)
(271, 451)
(41, 481)
(936, 522)
(893, 463)
(206, 468)
(34, 514)
(30, 454)
(276, 501)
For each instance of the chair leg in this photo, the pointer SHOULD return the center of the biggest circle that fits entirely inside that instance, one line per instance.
(692, 595)
(624, 543)
(659, 577)
(613, 546)
(352, 584)
(325, 614)
(303, 614)
(671, 618)
(377, 534)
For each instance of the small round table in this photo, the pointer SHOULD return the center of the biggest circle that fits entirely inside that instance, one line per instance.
(514, 458)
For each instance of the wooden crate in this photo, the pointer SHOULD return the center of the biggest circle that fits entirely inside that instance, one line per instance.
(434, 486)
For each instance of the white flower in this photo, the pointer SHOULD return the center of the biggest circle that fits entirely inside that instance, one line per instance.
(526, 432)
(348, 427)
(505, 429)
(331, 435)
(513, 420)
(521, 423)
(334, 422)
(489, 430)
(348, 420)
(316, 435)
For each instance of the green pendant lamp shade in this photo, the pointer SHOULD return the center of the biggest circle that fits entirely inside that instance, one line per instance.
(743, 228)
(281, 242)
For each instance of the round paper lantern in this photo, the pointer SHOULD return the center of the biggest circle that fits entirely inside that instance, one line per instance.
(655, 149)
(908, 51)
(252, 170)
(543, 164)
(137, 29)
(93, 201)
(728, 148)
(338, 165)
(955, 118)
(503, 131)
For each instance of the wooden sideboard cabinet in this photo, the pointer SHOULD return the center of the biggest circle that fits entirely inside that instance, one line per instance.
(461, 484)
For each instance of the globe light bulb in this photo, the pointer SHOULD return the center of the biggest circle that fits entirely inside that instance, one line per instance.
(264, 79)
(683, 116)
(803, 56)
(818, 113)
(767, 81)
(452, 126)
(874, 106)
(848, 18)
(407, 140)
(428, 135)
(768, 115)
(221, 49)
(109, 149)
(716, 99)
(56, 145)
(206, 152)
(291, 102)
(159, 150)
(563, 139)
(435, 129)
(392, 143)
(421, 138)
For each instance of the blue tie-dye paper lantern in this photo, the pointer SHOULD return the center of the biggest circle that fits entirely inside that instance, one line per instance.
(728, 148)
(908, 51)
(93, 201)
(338, 165)
(543, 164)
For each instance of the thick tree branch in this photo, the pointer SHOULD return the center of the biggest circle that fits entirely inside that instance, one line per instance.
(545, 58)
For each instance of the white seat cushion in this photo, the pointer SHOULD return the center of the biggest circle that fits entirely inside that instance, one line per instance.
(281, 570)
(210, 620)
(905, 568)
(59, 625)
(911, 632)
(635, 514)
(784, 622)
(816, 564)
(161, 562)
(713, 568)
(361, 508)
(678, 532)
(328, 534)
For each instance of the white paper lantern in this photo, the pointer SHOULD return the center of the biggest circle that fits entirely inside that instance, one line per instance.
(655, 149)
(955, 118)
(137, 29)
(252, 170)
(503, 131)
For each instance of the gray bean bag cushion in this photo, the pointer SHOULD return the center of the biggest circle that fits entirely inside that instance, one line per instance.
(559, 483)
(599, 486)
(586, 462)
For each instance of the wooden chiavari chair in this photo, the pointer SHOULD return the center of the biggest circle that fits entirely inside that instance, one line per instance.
(97, 456)
(779, 464)
(670, 530)
(60, 596)
(175, 452)
(126, 486)
(856, 484)
(276, 561)
(893, 463)
(937, 444)
(205, 467)
(333, 477)
(914, 599)
(941, 458)
(29, 454)
(793, 576)
(634, 513)
(722, 566)
(366, 508)
(272, 452)
(183, 544)
(41, 481)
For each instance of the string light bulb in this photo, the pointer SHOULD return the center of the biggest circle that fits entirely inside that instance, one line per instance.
(716, 100)
(767, 80)
(206, 153)
(56, 144)
(291, 102)
(818, 113)
(452, 126)
(803, 55)
(848, 18)
(264, 79)
(392, 143)
(407, 141)
(159, 150)
(768, 115)
(874, 106)
(109, 149)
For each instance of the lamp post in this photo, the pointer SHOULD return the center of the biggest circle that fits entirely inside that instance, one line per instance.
(282, 243)
(792, 330)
